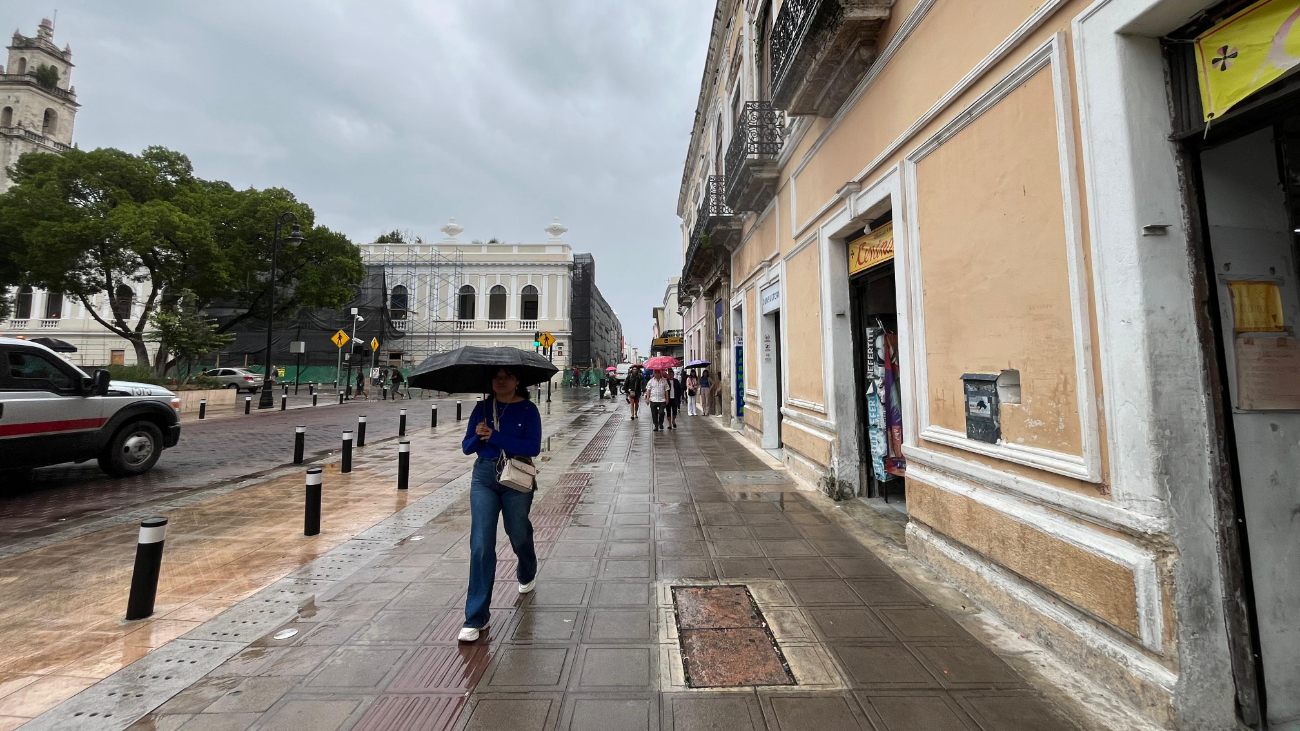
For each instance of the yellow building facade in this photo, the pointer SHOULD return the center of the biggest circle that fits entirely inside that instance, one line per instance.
(965, 249)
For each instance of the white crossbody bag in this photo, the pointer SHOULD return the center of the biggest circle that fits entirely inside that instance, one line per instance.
(516, 473)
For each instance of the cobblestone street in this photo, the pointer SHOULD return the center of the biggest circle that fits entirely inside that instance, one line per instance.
(808, 628)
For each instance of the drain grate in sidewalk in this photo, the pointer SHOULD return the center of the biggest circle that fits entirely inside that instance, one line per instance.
(725, 641)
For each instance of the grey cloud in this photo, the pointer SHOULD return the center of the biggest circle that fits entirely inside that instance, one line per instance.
(403, 114)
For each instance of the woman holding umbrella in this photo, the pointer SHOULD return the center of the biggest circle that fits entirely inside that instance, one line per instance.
(506, 425)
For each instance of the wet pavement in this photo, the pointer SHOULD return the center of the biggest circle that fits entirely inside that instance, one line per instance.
(669, 562)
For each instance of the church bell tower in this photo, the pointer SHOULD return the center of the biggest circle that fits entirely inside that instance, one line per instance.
(37, 102)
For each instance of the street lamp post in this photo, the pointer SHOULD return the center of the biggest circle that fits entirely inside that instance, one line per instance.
(266, 400)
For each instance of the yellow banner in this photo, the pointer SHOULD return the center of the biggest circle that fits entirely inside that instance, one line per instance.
(1256, 306)
(873, 248)
(1246, 52)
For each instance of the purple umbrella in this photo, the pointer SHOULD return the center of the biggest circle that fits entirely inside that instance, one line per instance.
(697, 363)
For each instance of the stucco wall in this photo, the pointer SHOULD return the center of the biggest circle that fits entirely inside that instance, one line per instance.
(802, 325)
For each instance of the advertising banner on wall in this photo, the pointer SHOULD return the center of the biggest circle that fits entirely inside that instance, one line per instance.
(1245, 53)
(874, 248)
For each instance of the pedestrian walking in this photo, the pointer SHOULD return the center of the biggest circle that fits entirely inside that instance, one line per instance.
(692, 388)
(504, 427)
(676, 389)
(634, 386)
(398, 381)
(706, 388)
(361, 383)
(657, 391)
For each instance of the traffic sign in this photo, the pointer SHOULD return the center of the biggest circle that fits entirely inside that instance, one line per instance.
(547, 340)
(340, 338)
(374, 343)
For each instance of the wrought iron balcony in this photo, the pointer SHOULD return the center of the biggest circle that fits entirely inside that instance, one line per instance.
(715, 223)
(751, 159)
(821, 49)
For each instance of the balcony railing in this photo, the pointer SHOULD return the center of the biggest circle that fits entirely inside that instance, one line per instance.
(714, 215)
(37, 138)
(751, 158)
(50, 323)
(30, 80)
(18, 324)
(496, 324)
(820, 49)
(400, 325)
(465, 324)
(527, 325)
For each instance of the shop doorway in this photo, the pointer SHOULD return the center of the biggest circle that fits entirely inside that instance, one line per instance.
(1249, 195)
(773, 389)
(877, 384)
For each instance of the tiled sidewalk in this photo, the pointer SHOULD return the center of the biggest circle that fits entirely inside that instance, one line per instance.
(624, 515)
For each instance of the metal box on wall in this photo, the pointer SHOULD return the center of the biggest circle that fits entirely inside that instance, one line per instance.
(983, 422)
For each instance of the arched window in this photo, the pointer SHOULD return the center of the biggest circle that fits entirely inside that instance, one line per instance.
(123, 300)
(497, 303)
(528, 303)
(23, 308)
(397, 303)
(50, 124)
(53, 305)
(7, 117)
(22, 66)
(465, 303)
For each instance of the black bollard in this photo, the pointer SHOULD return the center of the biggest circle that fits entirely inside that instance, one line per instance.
(401, 423)
(347, 453)
(457, 409)
(203, 409)
(299, 442)
(433, 424)
(311, 512)
(311, 388)
(248, 404)
(340, 398)
(313, 398)
(403, 463)
(284, 401)
(361, 431)
(148, 564)
(385, 398)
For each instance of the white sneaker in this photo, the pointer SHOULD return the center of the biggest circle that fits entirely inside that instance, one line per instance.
(528, 588)
(468, 634)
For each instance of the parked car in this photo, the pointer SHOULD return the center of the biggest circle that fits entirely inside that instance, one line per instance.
(236, 378)
(51, 412)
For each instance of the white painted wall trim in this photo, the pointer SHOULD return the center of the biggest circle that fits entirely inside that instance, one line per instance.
(1097, 510)
(1024, 593)
(1084, 466)
(810, 405)
(1000, 52)
(1133, 557)
(827, 427)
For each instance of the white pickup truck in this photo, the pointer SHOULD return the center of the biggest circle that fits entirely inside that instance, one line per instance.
(51, 411)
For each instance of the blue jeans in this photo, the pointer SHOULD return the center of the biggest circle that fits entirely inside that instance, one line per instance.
(487, 499)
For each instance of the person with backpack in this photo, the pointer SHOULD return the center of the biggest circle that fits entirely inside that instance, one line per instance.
(398, 381)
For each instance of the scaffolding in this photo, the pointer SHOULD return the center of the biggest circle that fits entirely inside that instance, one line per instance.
(421, 283)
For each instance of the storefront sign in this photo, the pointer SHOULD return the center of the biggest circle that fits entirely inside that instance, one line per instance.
(872, 249)
(1245, 53)
(667, 342)
(740, 378)
(717, 322)
(770, 298)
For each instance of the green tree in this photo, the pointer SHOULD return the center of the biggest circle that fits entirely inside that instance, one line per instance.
(185, 331)
(392, 237)
(47, 76)
(86, 223)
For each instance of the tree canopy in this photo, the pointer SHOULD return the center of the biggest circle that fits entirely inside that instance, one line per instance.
(87, 223)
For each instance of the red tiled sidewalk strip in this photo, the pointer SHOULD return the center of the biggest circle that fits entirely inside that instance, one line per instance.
(401, 712)
(442, 669)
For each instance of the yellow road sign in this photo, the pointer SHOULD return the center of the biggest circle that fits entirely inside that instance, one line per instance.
(340, 338)
(547, 340)
(374, 343)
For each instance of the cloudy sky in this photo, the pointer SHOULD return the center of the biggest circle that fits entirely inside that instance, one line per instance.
(386, 114)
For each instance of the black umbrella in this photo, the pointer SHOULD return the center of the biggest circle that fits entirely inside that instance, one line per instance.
(58, 346)
(470, 369)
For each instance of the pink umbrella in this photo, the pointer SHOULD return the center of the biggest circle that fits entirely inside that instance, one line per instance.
(611, 368)
(660, 362)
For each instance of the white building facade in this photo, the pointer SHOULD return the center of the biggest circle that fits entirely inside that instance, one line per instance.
(454, 293)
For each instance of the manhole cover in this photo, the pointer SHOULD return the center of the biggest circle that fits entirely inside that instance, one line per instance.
(285, 634)
(724, 639)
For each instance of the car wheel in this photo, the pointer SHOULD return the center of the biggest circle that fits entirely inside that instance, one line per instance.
(133, 450)
(234, 386)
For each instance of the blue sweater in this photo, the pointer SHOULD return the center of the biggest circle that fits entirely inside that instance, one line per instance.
(520, 434)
